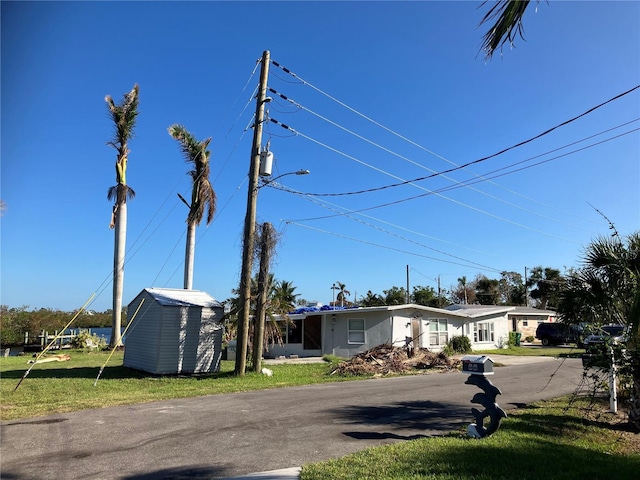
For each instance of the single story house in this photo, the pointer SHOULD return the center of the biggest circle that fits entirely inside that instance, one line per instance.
(524, 320)
(348, 331)
(175, 331)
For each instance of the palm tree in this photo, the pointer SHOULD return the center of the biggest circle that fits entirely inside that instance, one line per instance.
(509, 15)
(203, 196)
(547, 284)
(607, 290)
(124, 117)
(342, 293)
(283, 297)
(462, 281)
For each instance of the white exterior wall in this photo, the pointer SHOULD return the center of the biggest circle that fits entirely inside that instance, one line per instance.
(501, 330)
(173, 339)
(141, 345)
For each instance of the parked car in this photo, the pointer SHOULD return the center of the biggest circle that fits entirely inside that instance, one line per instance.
(556, 333)
(612, 333)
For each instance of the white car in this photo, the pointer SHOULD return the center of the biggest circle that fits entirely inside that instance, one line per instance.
(613, 333)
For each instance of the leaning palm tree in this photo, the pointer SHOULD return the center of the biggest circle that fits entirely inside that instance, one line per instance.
(203, 196)
(124, 117)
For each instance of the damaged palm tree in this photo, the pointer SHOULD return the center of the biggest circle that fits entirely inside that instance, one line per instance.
(124, 118)
(203, 197)
(267, 246)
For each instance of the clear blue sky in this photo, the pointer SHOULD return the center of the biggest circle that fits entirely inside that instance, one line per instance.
(411, 67)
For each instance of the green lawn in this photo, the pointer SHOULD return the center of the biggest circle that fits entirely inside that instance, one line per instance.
(549, 440)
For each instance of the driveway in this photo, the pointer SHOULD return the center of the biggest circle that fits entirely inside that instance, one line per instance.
(222, 436)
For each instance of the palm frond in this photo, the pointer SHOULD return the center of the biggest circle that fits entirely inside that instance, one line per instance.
(508, 24)
(203, 197)
(123, 117)
(120, 193)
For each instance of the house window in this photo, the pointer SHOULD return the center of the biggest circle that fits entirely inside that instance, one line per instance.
(355, 332)
(438, 331)
(483, 332)
(525, 323)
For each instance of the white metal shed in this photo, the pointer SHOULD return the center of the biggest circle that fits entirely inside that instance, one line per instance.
(175, 331)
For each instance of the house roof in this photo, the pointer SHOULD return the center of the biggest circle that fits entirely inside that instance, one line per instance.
(533, 311)
(473, 311)
(476, 310)
(351, 310)
(176, 297)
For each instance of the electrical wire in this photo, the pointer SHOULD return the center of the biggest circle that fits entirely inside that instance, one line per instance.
(549, 130)
(470, 181)
(382, 246)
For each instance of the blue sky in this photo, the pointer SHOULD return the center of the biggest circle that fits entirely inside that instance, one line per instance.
(410, 67)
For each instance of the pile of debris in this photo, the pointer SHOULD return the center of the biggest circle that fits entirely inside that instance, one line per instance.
(386, 359)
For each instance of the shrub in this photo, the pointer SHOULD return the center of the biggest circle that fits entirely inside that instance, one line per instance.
(459, 344)
(87, 341)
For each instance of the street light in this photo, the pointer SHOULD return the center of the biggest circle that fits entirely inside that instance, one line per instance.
(267, 181)
(334, 288)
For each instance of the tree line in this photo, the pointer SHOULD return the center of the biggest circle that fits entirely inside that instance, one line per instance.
(18, 321)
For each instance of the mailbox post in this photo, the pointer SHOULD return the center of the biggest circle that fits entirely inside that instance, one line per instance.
(479, 367)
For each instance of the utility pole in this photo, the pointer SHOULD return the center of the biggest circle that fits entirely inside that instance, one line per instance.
(408, 293)
(250, 223)
(439, 293)
(526, 291)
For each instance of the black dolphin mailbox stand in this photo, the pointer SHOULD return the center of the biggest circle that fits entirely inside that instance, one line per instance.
(478, 368)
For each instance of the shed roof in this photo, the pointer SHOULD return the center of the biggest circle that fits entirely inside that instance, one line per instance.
(177, 297)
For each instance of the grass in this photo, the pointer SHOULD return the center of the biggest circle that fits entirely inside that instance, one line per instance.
(538, 351)
(550, 440)
(59, 387)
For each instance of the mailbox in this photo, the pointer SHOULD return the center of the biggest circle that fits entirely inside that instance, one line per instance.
(477, 365)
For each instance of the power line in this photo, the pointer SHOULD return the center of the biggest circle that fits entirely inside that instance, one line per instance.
(384, 246)
(470, 181)
(566, 122)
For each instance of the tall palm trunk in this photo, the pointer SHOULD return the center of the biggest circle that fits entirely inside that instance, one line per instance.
(118, 271)
(189, 256)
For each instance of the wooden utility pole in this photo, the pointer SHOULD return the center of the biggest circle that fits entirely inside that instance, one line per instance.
(250, 223)
(266, 248)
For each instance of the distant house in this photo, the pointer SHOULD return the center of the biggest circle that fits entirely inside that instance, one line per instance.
(175, 331)
(346, 332)
(524, 320)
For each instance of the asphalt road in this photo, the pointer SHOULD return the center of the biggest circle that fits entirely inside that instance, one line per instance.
(222, 436)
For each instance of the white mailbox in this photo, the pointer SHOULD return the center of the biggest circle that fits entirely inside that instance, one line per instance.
(477, 365)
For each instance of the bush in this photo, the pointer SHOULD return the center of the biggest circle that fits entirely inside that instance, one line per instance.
(459, 344)
(529, 339)
(87, 341)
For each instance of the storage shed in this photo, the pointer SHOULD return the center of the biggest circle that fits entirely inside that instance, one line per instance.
(175, 331)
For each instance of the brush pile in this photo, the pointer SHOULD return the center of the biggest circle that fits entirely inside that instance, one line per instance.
(386, 359)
